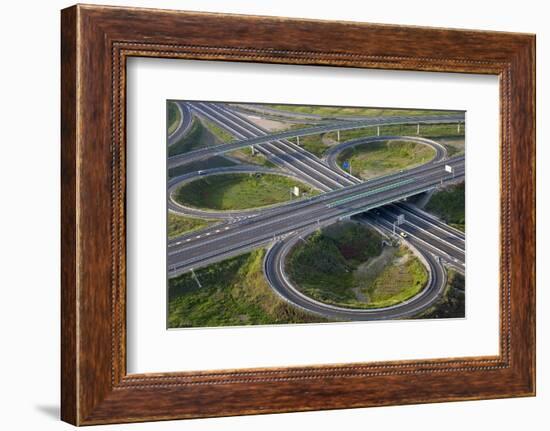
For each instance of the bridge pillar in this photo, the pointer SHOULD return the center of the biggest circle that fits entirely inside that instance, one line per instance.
(377, 130)
(253, 150)
(338, 135)
(418, 129)
(297, 140)
(458, 127)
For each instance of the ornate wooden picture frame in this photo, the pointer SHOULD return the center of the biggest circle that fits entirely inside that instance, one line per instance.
(96, 41)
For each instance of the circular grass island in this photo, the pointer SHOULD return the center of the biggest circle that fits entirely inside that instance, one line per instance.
(379, 158)
(346, 264)
(239, 191)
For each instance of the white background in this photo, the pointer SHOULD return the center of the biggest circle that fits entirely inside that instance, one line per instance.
(29, 232)
(152, 349)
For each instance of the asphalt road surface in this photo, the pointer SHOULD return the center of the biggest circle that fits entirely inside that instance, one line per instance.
(274, 270)
(185, 123)
(333, 206)
(345, 196)
(204, 153)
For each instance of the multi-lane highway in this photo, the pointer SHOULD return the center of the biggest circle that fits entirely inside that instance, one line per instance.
(281, 152)
(442, 240)
(315, 130)
(333, 206)
(344, 196)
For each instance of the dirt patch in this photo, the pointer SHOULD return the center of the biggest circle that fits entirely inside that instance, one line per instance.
(371, 268)
(359, 295)
(455, 146)
(328, 141)
(368, 275)
(401, 260)
(270, 125)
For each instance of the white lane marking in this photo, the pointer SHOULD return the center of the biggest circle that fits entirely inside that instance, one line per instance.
(427, 232)
(429, 222)
(264, 224)
(442, 240)
(226, 113)
(267, 144)
(386, 223)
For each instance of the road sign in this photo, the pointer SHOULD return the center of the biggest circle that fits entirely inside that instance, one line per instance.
(448, 168)
(345, 165)
(400, 219)
(296, 191)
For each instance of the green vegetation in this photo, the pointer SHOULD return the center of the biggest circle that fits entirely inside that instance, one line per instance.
(426, 131)
(174, 117)
(453, 302)
(313, 143)
(341, 111)
(345, 264)
(244, 155)
(210, 163)
(221, 134)
(296, 126)
(384, 157)
(454, 145)
(197, 137)
(232, 292)
(448, 204)
(238, 191)
(401, 280)
(178, 225)
(272, 121)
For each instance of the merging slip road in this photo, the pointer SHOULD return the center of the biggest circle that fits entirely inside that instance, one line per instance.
(184, 124)
(377, 201)
(281, 136)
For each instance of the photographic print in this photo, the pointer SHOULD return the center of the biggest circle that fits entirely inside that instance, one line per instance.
(291, 214)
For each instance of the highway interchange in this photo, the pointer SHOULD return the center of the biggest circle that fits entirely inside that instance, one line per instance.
(377, 202)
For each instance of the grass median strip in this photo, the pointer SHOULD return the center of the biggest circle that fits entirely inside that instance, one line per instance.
(449, 130)
(221, 134)
(313, 143)
(198, 136)
(245, 155)
(352, 111)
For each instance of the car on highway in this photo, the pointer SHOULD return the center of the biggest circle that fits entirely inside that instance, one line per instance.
(403, 235)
